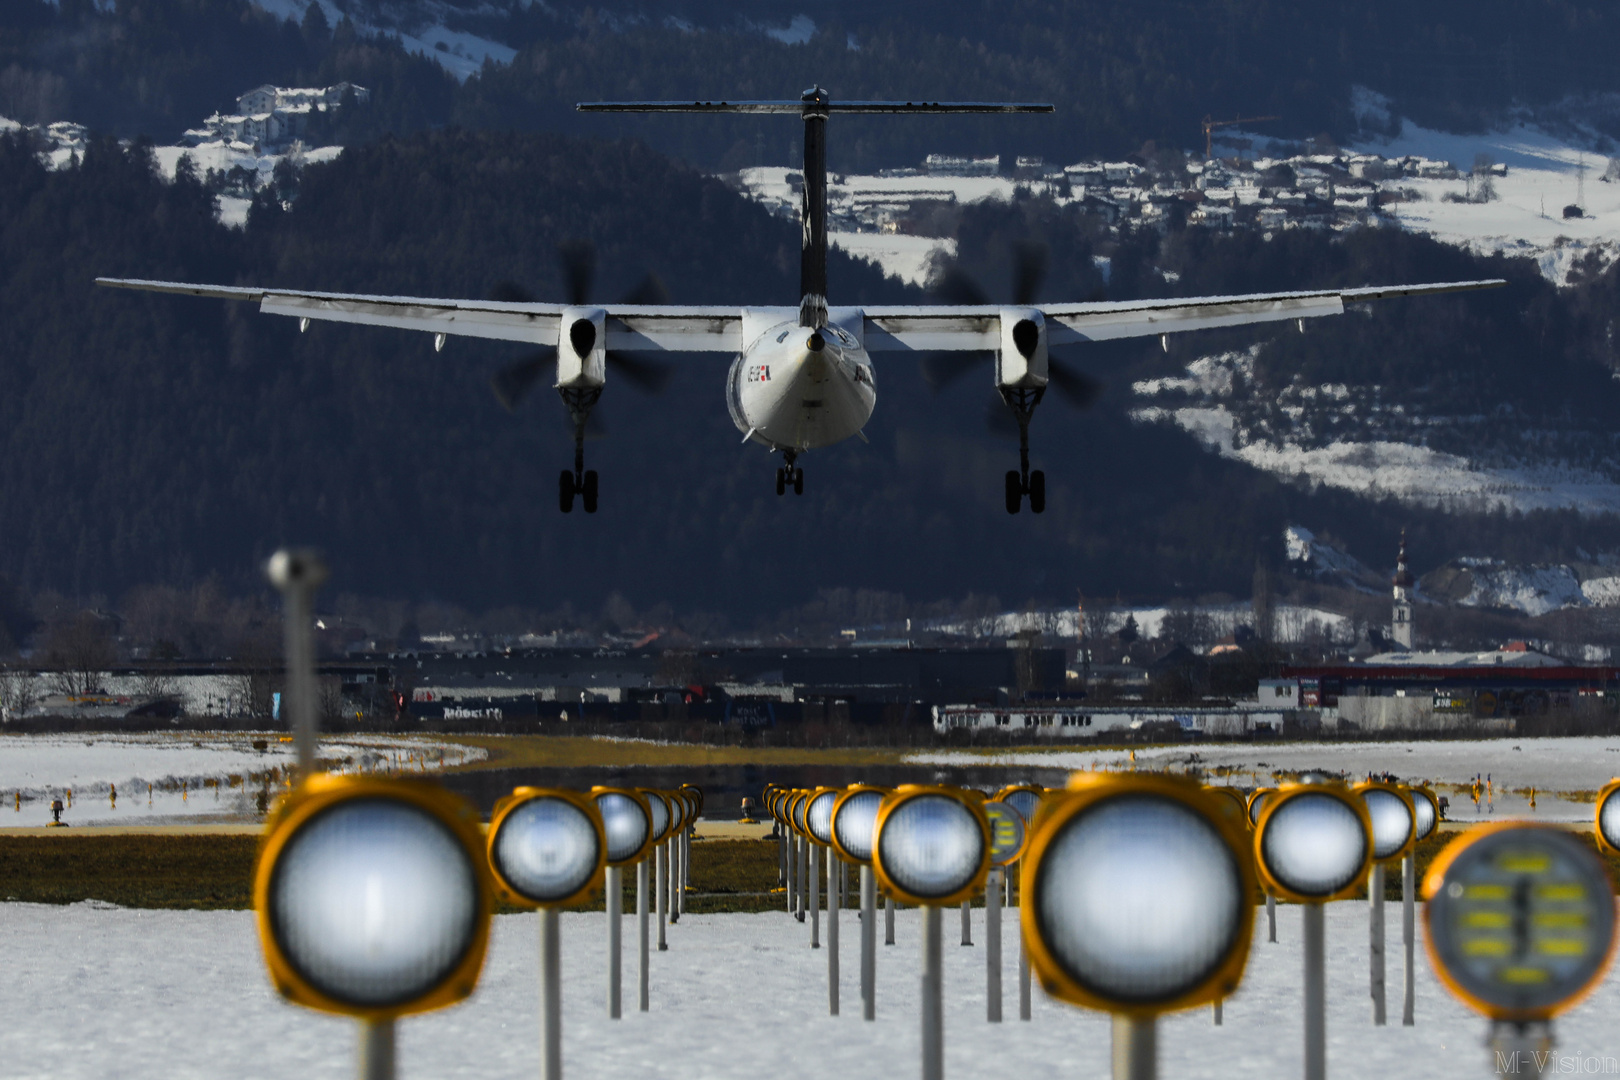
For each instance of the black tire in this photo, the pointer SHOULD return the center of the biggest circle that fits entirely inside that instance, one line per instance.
(589, 491)
(1015, 492)
(565, 491)
(1037, 492)
(781, 481)
(798, 481)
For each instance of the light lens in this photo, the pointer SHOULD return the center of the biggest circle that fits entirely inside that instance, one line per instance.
(1257, 805)
(1314, 844)
(818, 816)
(1522, 920)
(625, 823)
(1391, 821)
(931, 846)
(1608, 818)
(1426, 818)
(547, 850)
(1139, 898)
(1024, 802)
(799, 805)
(660, 812)
(854, 822)
(374, 902)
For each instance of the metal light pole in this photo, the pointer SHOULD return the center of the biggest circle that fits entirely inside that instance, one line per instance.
(1408, 937)
(661, 872)
(992, 946)
(643, 926)
(1375, 941)
(615, 906)
(933, 996)
(550, 995)
(868, 942)
(1136, 1048)
(297, 573)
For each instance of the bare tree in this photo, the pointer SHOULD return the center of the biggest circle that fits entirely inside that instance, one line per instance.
(19, 692)
(78, 651)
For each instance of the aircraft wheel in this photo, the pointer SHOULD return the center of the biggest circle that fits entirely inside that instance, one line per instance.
(589, 491)
(1015, 491)
(1037, 492)
(565, 491)
(798, 481)
(781, 481)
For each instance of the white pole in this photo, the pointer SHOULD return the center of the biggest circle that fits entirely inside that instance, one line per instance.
(992, 946)
(1136, 1048)
(933, 996)
(967, 922)
(868, 942)
(686, 865)
(1271, 917)
(377, 1050)
(834, 902)
(1315, 994)
(661, 872)
(888, 920)
(297, 574)
(1375, 941)
(550, 996)
(1023, 972)
(681, 854)
(791, 858)
(644, 925)
(615, 906)
(815, 896)
(1408, 936)
(804, 872)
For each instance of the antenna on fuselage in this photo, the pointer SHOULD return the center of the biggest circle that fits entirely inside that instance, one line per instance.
(814, 106)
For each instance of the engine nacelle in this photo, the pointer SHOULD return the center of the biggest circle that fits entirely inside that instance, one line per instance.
(1021, 362)
(582, 349)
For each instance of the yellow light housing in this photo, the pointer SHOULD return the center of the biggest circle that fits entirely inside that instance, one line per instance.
(1313, 842)
(547, 847)
(931, 845)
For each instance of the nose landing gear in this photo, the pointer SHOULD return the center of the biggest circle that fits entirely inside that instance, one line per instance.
(578, 481)
(789, 476)
(1022, 481)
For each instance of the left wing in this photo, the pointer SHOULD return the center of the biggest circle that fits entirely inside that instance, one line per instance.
(956, 327)
(629, 326)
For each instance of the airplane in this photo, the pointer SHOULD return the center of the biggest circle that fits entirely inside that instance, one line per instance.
(802, 379)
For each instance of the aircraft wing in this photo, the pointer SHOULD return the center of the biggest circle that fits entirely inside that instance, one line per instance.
(956, 327)
(629, 326)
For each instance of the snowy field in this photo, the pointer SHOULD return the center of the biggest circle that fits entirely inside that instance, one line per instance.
(101, 992)
(189, 774)
(1574, 766)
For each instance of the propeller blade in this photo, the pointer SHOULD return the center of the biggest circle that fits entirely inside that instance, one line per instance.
(648, 376)
(515, 380)
(999, 420)
(1029, 271)
(1080, 391)
(650, 291)
(510, 292)
(939, 370)
(579, 269)
(954, 286)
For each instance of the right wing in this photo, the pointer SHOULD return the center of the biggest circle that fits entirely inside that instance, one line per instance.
(629, 326)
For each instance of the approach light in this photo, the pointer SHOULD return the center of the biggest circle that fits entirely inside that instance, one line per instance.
(1425, 812)
(1520, 920)
(854, 817)
(1024, 798)
(1139, 895)
(627, 819)
(800, 804)
(547, 847)
(931, 845)
(1257, 803)
(662, 806)
(373, 896)
(1314, 842)
(1008, 833)
(1393, 817)
(818, 814)
(1608, 818)
(1233, 798)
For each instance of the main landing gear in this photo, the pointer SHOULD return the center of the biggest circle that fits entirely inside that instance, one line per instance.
(1022, 481)
(578, 481)
(789, 475)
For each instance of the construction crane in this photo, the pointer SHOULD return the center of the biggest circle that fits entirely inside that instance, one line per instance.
(1211, 124)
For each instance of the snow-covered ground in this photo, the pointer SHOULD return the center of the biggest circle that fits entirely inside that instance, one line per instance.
(1292, 621)
(189, 774)
(460, 53)
(908, 258)
(1574, 767)
(95, 992)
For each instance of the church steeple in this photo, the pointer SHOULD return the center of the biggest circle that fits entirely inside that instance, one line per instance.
(1402, 624)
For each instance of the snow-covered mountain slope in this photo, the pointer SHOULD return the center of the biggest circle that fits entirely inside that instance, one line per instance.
(420, 25)
(1207, 400)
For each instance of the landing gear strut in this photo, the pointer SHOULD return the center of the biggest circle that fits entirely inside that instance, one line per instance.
(789, 476)
(578, 480)
(1022, 481)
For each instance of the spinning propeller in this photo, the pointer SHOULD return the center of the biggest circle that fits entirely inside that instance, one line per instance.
(955, 286)
(578, 259)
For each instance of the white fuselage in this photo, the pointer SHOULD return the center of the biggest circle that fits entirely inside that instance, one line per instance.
(789, 396)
